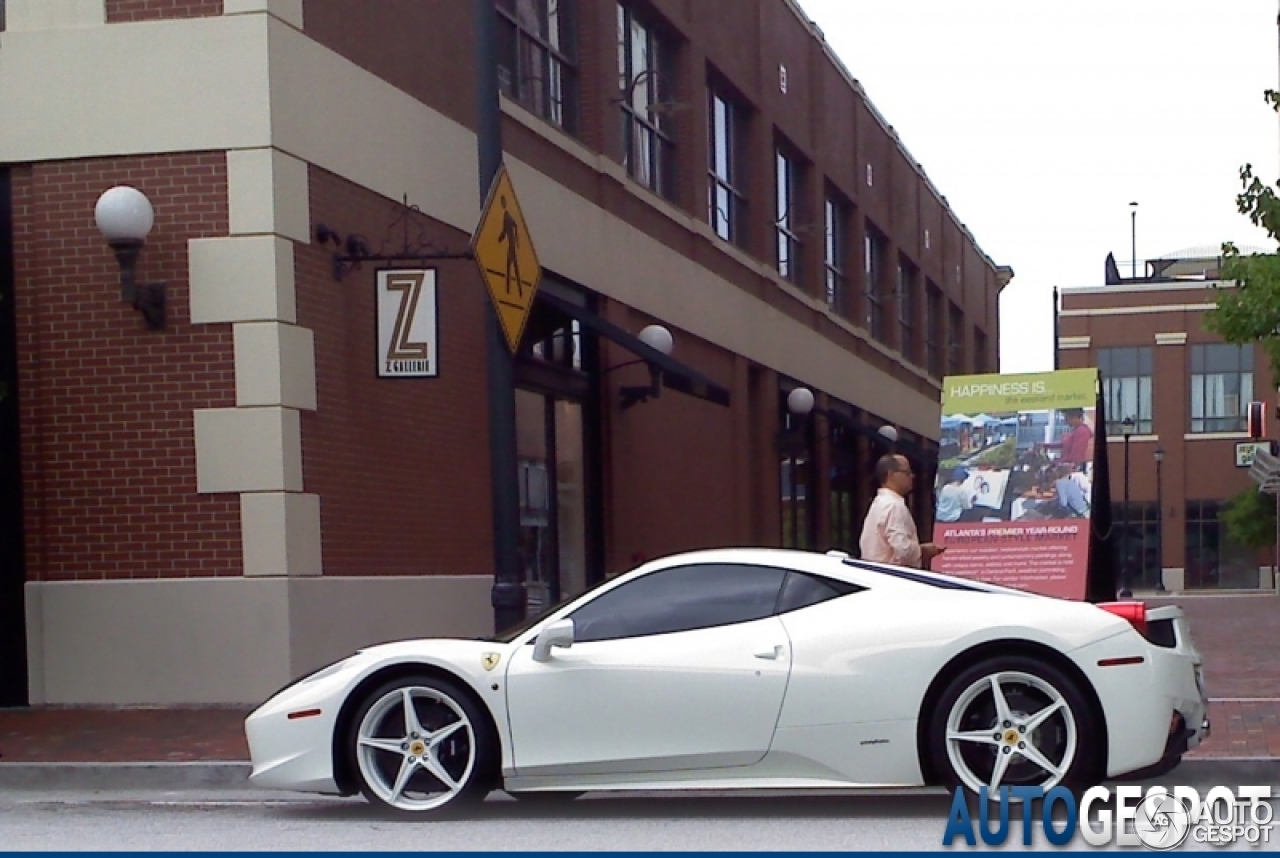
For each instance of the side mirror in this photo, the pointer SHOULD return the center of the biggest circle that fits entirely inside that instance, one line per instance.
(559, 633)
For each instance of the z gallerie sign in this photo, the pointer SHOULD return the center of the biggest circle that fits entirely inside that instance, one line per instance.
(407, 325)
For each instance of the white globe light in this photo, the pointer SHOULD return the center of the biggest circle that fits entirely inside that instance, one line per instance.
(889, 433)
(657, 337)
(800, 400)
(124, 213)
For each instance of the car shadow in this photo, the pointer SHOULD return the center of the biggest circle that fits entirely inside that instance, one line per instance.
(500, 807)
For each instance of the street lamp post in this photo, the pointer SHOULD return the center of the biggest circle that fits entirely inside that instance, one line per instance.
(507, 597)
(1133, 239)
(1125, 592)
(1158, 455)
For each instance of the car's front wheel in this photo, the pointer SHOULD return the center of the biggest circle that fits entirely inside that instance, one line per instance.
(1013, 721)
(419, 745)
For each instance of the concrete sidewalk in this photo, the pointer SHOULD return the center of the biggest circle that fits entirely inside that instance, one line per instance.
(189, 747)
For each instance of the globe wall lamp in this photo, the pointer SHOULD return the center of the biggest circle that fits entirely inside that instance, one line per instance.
(801, 402)
(125, 216)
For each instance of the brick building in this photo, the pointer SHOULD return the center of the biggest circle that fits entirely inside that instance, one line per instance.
(200, 511)
(1187, 395)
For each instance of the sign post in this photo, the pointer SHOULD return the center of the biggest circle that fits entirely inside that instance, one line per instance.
(507, 597)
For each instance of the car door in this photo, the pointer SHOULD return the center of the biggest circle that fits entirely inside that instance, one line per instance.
(682, 668)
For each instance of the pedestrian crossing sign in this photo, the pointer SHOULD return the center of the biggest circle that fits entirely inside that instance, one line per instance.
(505, 254)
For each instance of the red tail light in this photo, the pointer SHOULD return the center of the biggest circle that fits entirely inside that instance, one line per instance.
(1134, 612)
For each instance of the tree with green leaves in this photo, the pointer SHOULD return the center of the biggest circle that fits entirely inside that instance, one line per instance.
(1250, 518)
(1249, 311)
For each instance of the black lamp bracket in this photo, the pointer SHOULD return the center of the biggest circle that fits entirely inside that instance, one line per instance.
(634, 394)
(353, 250)
(147, 298)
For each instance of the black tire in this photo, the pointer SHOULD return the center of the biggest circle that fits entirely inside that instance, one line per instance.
(468, 755)
(1026, 694)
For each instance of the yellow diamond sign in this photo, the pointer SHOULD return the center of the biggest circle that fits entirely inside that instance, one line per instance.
(505, 254)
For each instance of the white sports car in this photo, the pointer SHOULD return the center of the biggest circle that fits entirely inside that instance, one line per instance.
(749, 668)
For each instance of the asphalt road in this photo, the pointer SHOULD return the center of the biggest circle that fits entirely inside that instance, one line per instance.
(231, 820)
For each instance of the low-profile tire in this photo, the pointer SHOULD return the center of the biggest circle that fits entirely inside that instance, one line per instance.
(1041, 732)
(420, 746)
(547, 798)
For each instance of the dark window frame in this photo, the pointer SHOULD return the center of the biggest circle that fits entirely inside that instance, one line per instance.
(649, 146)
(730, 148)
(907, 289)
(1209, 360)
(934, 325)
(547, 41)
(979, 351)
(1122, 366)
(788, 184)
(875, 248)
(955, 340)
(835, 253)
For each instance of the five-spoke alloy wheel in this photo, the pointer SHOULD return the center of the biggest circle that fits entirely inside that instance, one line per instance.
(1012, 721)
(419, 745)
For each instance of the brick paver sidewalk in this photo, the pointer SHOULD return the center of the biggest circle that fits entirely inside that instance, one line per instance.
(1239, 637)
(100, 735)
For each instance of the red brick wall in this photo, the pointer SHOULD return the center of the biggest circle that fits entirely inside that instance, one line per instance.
(741, 42)
(122, 11)
(106, 404)
(401, 465)
(678, 469)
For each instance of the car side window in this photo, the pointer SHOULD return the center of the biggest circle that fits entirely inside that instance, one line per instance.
(801, 590)
(681, 599)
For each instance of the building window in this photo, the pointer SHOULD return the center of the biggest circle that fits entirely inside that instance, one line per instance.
(536, 64)
(645, 80)
(980, 352)
(788, 184)
(1126, 388)
(933, 330)
(834, 255)
(907, 310)
(874, 252)
(1221, 387)
(846, 522)
(728, 171)
(1214, 560)
(798, 523)
(1136, 547)
(955, 342)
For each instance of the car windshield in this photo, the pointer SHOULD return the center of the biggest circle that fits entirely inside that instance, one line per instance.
(520, 628)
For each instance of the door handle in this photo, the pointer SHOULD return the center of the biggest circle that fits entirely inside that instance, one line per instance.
(770, 653)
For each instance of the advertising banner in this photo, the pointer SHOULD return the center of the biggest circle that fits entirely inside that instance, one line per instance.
(1015, 480)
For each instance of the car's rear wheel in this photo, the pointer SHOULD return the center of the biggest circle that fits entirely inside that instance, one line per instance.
(1012, 721)
(419, 745)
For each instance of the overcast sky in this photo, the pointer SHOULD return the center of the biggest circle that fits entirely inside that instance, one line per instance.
(1040, 122)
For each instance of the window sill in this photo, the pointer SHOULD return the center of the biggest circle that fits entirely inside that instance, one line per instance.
(1216, 436)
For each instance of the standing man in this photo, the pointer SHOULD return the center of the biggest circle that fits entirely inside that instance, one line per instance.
(888, 532)
(1077, 446)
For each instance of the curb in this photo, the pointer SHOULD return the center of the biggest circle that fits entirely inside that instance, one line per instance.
(1228, 771)
(1210, 771)
(125, 776)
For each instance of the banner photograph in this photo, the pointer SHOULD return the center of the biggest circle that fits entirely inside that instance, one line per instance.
(1015, 479)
